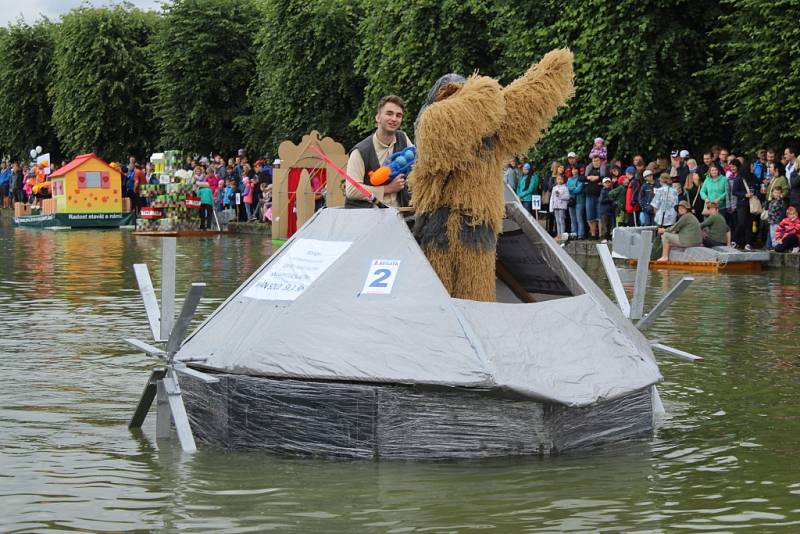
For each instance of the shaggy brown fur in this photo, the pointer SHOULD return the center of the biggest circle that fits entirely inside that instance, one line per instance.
(462, 142)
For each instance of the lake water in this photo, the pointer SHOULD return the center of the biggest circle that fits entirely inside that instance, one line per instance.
(724, 458)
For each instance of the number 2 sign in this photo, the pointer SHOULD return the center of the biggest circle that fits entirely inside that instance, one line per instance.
(381, 276)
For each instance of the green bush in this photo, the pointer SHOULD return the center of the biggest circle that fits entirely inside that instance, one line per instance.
(101, 101)
(204, 62)
(304, 78)
(26, 54)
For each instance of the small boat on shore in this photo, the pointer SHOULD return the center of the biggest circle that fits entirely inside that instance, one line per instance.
(626, 242)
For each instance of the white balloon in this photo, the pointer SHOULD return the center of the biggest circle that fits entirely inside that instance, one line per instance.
(33, 152)
(38, 149)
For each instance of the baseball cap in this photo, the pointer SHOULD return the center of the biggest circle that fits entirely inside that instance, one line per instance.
(631, 169)
(648, 172)
(572, 155)
(684, 153)
(675, 153)
(606, 179)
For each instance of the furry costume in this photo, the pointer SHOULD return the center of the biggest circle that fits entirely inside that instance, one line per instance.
(463, 136)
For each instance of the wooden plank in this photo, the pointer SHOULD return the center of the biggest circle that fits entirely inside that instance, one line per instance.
(146, 400)
(676, 352)
(513, 284)
(149, 297)
(178, 333)
(179, 415)
(613, 277)
(642, 272)
(665, 301)
(168, 262)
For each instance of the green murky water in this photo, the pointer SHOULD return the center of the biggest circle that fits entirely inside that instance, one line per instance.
(724, 457)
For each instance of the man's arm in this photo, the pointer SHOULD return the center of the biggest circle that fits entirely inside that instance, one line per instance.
(356, 170)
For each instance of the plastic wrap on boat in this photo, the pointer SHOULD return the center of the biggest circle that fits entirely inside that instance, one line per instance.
(302, 418)
(576, 349)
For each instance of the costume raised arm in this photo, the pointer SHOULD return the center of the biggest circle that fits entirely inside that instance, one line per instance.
(533, 99)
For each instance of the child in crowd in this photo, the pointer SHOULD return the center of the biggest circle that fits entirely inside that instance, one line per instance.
(775, 213)
(227, 194)
(787, 232)
(618, 195)
(599, 149)
(212, 180)
(247, 197)
(606, 209)
(632, 196)
(265, 203)
(664, 201)
(559, 201)
(646, 191)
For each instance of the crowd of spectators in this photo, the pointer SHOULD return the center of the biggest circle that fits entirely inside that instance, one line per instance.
(757, 199)
(235, 183)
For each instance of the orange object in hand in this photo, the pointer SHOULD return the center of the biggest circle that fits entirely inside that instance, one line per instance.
(379, 176)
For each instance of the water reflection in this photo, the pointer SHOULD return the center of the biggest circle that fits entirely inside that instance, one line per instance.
(722, 457)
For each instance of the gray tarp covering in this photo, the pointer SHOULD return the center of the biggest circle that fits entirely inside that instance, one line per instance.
(572, 350)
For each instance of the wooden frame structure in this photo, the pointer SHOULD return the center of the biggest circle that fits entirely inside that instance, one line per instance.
(294, 156)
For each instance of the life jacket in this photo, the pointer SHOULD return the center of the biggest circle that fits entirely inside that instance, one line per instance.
(366, 148)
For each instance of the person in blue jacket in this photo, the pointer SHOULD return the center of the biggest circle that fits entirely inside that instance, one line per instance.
(527, 186)
(577, 207)
(646, 193)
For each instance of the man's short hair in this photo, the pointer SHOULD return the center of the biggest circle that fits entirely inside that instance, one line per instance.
(712, 205)
(778, 188)
(394, 99)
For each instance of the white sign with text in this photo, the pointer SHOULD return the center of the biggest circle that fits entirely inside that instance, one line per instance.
(296, 269)
(536, 202)
(381, 277)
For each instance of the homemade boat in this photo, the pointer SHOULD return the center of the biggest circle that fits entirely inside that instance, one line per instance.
(345, 343)
(626, 242)
(86, 193)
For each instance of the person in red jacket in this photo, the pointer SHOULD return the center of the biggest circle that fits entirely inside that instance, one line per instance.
(787, 233)
(139, 179)
(632, 196)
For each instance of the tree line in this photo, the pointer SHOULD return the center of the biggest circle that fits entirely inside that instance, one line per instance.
(218, 75)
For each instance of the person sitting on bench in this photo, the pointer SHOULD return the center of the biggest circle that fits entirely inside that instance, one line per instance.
(684, 233)
(715, 230)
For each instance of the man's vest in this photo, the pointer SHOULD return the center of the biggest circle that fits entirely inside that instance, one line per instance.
(366, 148)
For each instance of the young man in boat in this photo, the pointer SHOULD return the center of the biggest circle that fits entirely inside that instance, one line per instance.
(370, 153)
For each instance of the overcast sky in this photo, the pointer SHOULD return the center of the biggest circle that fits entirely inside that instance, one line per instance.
(30, 10)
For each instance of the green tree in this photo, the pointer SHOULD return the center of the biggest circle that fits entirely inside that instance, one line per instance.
(304, 73)
(405, 48)
(636, 73)
(100, 99)
(758, 71)
(25, 112)
(204, 59)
